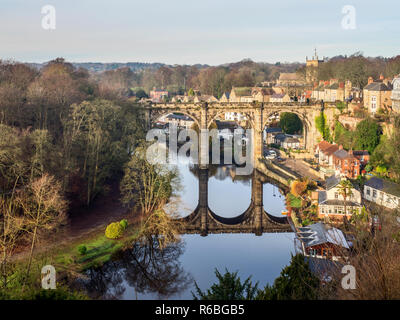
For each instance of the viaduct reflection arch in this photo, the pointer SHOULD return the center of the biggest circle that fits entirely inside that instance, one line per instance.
(253, 220)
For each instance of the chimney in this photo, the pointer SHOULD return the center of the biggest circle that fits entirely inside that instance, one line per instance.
(370, 80)
(341, 85)
(381, 77)
(321, 82)
(351, 152)
(340, 147)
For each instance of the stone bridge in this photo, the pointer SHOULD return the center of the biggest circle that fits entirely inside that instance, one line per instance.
(258, 114)
(254, 220)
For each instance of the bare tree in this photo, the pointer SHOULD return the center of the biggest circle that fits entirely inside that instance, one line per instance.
(11, 225)
(43, 206)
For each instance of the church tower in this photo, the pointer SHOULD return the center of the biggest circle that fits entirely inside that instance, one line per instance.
(312, 66)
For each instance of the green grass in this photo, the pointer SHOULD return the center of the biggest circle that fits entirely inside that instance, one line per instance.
(100, 249)
(295, 202)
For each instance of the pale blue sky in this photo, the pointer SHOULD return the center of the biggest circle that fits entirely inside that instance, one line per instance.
(189, 32)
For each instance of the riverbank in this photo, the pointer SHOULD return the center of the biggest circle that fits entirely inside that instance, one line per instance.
(85, 226)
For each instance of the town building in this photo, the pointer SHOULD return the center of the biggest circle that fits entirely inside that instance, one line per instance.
(179, 120)
(346, 163)
(287, 141)
(270, 133)
(322, 241)
(224, 97)
(261, 94)
(235, 116)
(334, 91)
(204, 98)
(382, 192)
(377, 95)
(331, 204)
(158, 96)
(290, 80)
(241, 94)
(279, 98)
(324, 153)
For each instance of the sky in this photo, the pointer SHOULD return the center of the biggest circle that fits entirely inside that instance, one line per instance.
(189, 32)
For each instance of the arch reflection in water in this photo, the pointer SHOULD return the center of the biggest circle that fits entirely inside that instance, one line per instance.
(143, 272)
(254, 219)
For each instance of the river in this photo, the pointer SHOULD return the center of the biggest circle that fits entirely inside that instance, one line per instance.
(147, 273)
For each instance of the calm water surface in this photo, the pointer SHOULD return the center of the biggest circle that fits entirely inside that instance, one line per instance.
(146, 273)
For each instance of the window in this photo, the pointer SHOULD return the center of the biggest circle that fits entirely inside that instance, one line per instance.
(336, 195)
(373, 104)
(374, 193)
(368, 190)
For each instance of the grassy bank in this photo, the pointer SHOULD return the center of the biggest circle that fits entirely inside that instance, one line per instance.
(66, 258)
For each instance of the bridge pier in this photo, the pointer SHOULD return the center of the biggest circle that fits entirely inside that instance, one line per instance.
(258, 139)
(257, 201)
(204, 140)
(203, 201)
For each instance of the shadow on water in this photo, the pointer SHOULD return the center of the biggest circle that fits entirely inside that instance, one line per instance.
(143, 271)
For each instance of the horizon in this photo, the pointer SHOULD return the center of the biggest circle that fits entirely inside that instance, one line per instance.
(205, 64)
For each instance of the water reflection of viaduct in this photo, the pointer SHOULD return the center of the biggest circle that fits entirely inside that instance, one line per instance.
(254, 220)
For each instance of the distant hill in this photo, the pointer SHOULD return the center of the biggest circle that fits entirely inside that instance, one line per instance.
(96, 67)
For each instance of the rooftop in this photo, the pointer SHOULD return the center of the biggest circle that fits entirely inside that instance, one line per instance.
(319, 233)
(384, 185)
(377, 86)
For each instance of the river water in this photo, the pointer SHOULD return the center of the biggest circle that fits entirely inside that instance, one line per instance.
(147, 273)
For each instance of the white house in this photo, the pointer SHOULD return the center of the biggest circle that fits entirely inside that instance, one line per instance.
(382, 192)
(331, 201)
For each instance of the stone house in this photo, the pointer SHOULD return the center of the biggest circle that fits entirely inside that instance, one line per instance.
(377, 95)
(279, 98)
(290, 79)
(262, 94)
(334, 91)
(287, 141)
(224, 97)
(241, 94)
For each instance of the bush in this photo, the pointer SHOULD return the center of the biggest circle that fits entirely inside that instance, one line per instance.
(82, 249)
(114, 230)
(124, 223)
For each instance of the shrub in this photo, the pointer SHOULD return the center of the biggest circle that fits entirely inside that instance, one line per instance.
(114, 230)
(124, 223)
(82, 249)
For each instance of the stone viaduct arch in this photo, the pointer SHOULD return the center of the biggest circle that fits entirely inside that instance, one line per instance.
(258, 113)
